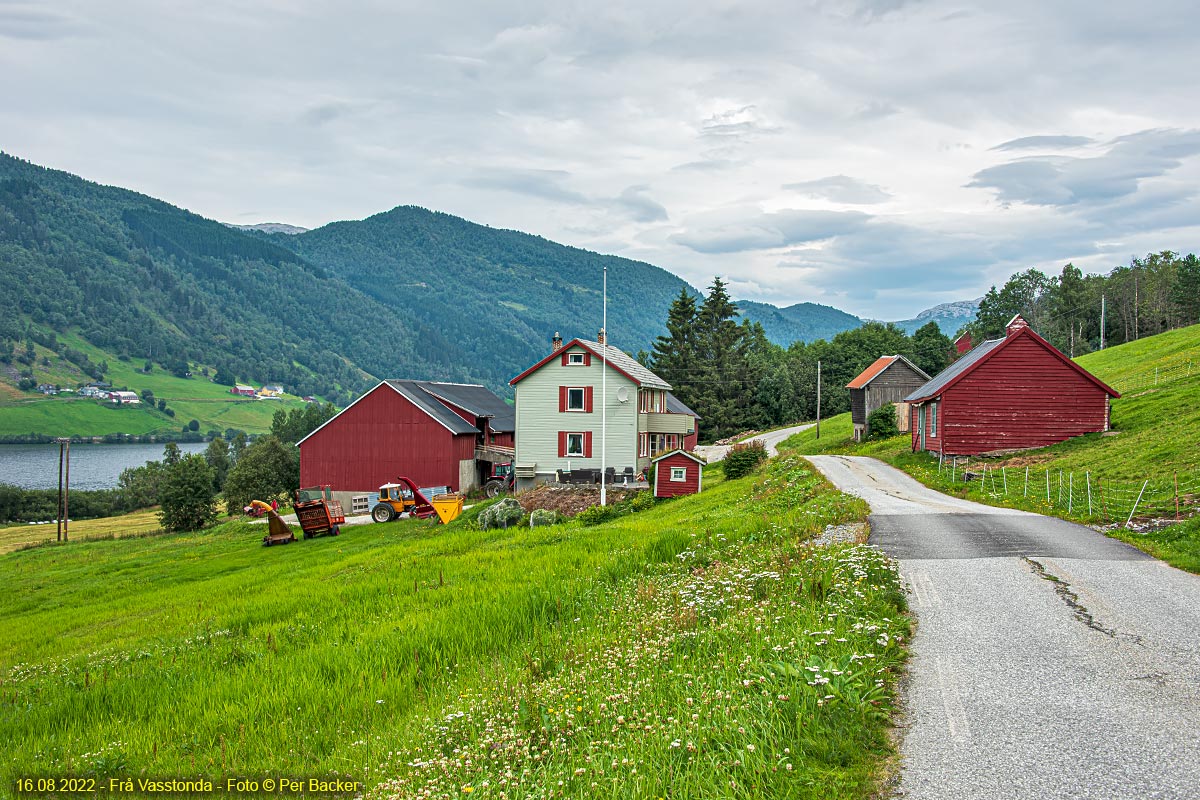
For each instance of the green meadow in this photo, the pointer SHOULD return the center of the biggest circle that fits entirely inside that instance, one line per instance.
(701, 648)
(195, 398)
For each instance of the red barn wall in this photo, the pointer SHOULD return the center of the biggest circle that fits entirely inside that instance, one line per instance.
(376, 440)
(690, 441)
(504, 439)
(1020, 397)
(665, 487)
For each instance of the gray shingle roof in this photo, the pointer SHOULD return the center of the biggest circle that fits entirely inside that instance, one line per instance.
(676, 406)
(416, 394)
(939, 381)
(477, 400)
(628, 365)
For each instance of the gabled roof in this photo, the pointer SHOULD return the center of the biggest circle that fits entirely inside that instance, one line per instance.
(981, 353)
(877, 367)
(687, 453)
(676, 406)
(417, 394)
(477, 400)
(420, 394)
(617, 359)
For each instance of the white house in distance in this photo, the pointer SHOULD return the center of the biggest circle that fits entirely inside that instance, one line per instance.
(560, 405)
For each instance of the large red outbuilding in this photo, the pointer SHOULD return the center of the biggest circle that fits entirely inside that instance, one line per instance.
(437, 434)
(1008, 394)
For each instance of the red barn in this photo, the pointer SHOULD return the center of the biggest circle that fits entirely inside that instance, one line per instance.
(677, 473)
(433, 433)
(1008, 394)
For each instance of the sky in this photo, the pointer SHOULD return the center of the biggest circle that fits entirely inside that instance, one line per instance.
(879, 156)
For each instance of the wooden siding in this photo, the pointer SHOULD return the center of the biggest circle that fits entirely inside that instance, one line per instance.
(1021, 397)
(665, 487)
(893, 384)
(378, 439)
(539, 421)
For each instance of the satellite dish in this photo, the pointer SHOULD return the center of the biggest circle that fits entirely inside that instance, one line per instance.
(623, 394)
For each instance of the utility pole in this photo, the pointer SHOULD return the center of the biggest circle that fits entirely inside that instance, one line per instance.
(1102, 309)
(64, 489)
(604, 392)
(818, 399)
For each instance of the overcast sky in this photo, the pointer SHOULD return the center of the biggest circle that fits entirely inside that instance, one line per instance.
(879, 157)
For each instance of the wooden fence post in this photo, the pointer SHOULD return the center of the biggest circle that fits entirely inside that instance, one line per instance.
(1027, 481)
(1047, 486)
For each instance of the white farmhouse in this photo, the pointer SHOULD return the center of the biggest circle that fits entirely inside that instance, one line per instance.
(560, 405)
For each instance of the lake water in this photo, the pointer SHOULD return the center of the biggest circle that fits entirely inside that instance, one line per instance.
(93, 466)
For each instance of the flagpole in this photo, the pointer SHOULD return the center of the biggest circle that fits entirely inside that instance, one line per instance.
(604, 394)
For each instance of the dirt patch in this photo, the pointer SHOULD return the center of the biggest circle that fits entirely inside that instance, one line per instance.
(568, 500)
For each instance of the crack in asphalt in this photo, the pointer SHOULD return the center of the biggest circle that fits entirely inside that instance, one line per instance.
(1063, 589)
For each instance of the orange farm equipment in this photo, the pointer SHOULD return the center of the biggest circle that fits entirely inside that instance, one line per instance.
(318, 513)
(404, 496)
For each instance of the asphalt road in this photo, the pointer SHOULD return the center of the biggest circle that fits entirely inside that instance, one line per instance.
(770, 440)
(1049, 661)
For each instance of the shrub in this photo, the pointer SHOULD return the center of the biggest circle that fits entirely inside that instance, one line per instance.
(743, 458)
(881, 423)
(642, 501)
(189, 502)
(504, 514)
(543, 516)
(594, 515)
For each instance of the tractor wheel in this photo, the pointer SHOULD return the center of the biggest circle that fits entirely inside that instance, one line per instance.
(383, 513)
(493, 488)
(336, 530)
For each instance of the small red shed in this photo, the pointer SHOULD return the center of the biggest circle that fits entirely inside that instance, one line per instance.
(1008, 394)
(677, 473)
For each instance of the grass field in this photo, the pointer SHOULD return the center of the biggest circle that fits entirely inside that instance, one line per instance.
(191, 398)
(1151, 457)
(139, 523)
(697, 649)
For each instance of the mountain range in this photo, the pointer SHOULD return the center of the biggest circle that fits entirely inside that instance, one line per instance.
(405, 293)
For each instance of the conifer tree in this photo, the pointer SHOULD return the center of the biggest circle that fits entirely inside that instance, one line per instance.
(673, 357)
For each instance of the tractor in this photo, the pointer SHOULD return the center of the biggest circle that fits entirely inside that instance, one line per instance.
(403, 496)
(500, 481)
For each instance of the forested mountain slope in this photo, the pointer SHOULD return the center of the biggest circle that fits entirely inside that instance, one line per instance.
(487, 298)
(802, 322)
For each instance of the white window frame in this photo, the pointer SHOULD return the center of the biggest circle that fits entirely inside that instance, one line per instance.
(579, 437)
(678, 474)
(643, 445)
(933, 415)
(582, 398)
(575, 360)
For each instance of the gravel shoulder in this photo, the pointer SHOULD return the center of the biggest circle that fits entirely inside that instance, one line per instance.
(1049, 660)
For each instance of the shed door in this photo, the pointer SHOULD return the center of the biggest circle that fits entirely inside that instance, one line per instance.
(920, 427)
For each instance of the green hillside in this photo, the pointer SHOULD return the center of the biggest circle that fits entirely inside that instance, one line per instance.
(802, 322)
(24, 415)
(408, 293)
(416, 658)
(486, 300)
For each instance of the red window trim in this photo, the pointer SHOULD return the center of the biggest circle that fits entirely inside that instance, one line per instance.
(564, 405)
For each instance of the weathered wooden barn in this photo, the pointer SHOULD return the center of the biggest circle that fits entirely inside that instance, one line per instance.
(437, 434)
(1008, 394)
(678, 473)
(888, 380)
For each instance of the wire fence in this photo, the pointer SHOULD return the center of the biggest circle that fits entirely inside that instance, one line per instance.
(1180, 370)
(1082, 495)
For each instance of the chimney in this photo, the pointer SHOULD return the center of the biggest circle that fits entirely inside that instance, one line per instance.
(963, 343)
(1015, 325)
(557, 341)
(600, 337)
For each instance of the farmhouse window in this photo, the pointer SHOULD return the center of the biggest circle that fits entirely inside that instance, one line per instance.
(652, 401)
(678, 474)
(574, 445)
(575, 359)
(575, 398)
(643, 445)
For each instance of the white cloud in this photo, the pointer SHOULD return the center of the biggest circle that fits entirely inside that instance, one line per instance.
(710, 138)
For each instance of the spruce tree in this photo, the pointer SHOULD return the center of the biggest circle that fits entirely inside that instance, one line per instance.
(673, 357)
